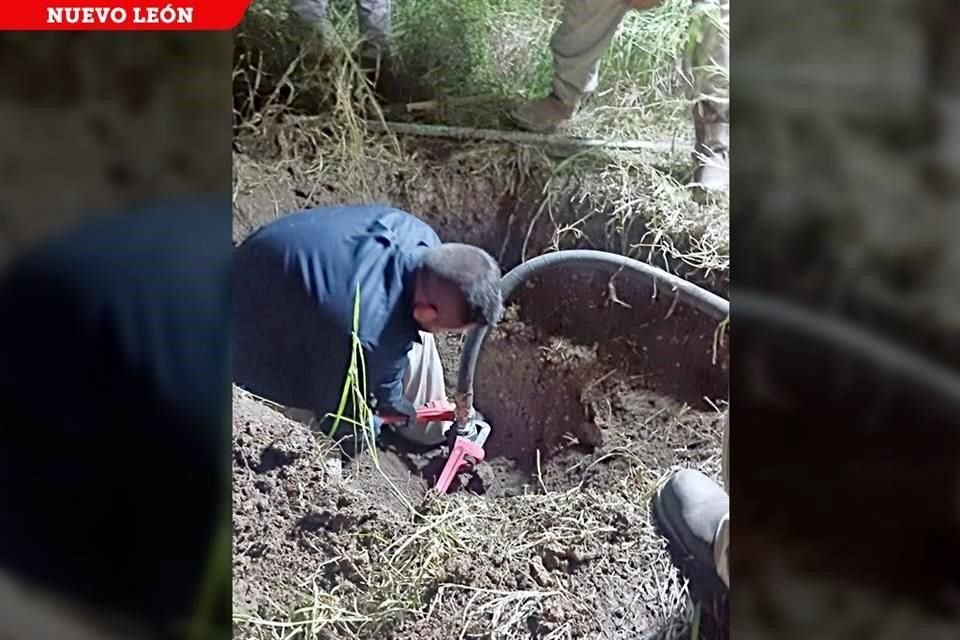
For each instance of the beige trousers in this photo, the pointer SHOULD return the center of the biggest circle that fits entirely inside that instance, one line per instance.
(588, 26)
(586, 29)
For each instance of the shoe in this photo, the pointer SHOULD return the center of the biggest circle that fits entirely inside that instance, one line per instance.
(543, 115)
(688, 508)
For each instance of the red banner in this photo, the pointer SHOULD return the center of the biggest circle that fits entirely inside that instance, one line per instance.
(121, 15)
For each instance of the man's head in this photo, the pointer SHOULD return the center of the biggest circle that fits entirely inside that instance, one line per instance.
(457, 286)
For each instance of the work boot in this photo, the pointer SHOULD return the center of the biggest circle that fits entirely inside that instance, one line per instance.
(543, 115)
(687, 509)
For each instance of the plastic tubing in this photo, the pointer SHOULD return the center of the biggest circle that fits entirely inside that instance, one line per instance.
(689, 293)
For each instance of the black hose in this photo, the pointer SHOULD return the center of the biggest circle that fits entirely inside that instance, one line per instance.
(819, 333)
(707, 302)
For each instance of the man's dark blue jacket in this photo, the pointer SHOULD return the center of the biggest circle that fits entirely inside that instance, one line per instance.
(115, 408)
(295, 286)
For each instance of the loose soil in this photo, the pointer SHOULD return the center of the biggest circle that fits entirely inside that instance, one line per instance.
(596, 386)
(572, 441)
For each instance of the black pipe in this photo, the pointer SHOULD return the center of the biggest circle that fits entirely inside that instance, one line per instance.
(707, 302)
(759, 314)
(847, 446)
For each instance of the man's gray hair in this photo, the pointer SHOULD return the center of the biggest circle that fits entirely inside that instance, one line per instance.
(474, 273)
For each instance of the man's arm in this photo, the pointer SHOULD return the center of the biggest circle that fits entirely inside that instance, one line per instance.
(389, 392)
(390, 401)
(384, 388)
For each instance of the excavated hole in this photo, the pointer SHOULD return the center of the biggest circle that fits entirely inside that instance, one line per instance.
(592, 374)
(591, 365)
(594, 379)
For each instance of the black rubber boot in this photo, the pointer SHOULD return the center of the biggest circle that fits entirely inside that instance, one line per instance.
(688, 508)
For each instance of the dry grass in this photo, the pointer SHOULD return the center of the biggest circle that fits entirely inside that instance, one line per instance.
(417, 566)
(633, 190)
(431, 562)
(628, 189)
(500, 49)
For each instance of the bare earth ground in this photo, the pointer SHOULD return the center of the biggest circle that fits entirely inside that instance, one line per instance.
(555, 546)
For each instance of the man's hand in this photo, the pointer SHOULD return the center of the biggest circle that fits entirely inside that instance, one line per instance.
(401, 409)
(643, 5)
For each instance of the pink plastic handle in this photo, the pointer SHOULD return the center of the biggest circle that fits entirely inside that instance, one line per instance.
(461, 448)
(430, 412)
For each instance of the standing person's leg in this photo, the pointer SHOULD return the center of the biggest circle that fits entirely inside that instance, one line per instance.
(377, 60)
(585, 31)
(422, 383)
(721, 542)
(374, 22)
(313, 11)
(710, 68)
(313, 14)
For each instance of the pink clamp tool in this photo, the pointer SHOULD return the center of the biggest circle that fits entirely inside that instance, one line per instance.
(430, 412)
(467, 449)
(462, 450)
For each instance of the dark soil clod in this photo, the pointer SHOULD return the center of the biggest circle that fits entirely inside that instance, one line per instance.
(272, 458)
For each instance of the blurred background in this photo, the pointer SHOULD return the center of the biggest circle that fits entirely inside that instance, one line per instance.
(845, 315)
(114, 259)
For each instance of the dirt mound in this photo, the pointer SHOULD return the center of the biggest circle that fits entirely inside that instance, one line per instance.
(550, 537)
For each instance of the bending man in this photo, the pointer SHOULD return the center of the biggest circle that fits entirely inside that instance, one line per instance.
(296, 283)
